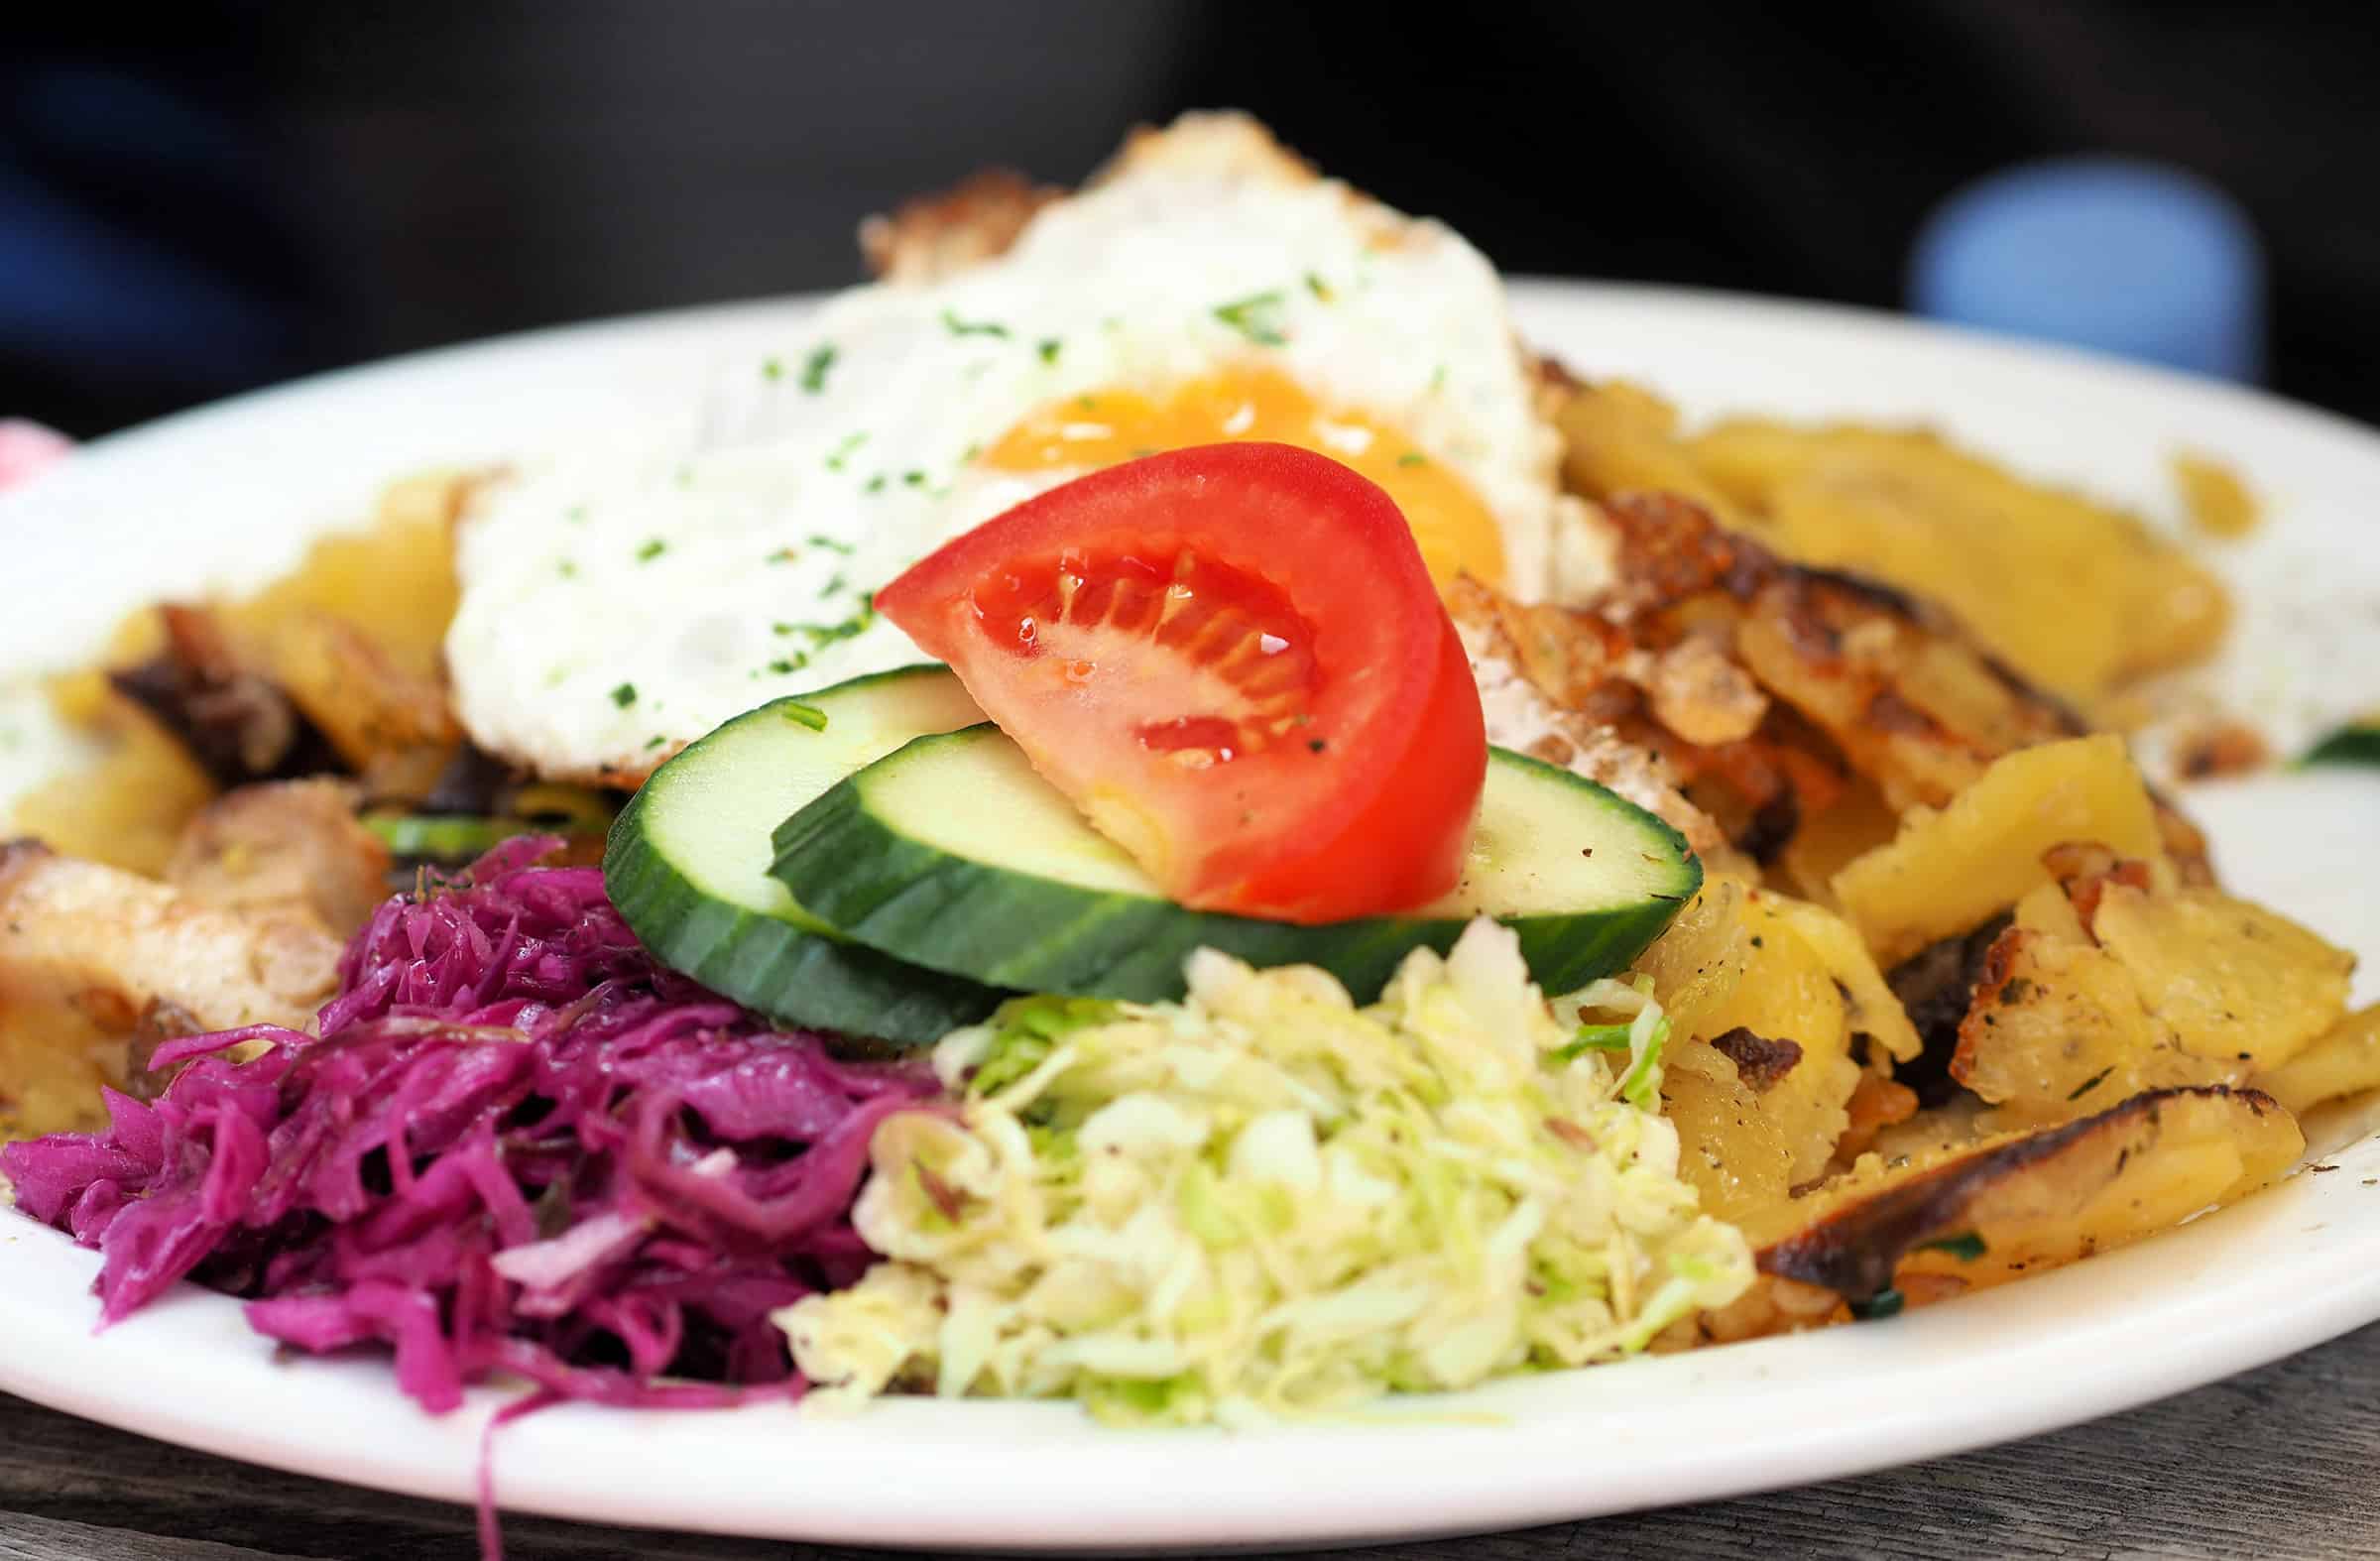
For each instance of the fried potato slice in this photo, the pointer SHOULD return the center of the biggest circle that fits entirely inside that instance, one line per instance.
(2058, 1026)
(1739, 969)
(1699, 960)
(96, 964)
(2078, 596)
(285, 846)
(1729, 1147)
(1619, 438)
(388, 722)
(2345, 1061)
(2116, 978)
(1951, 869)
(393, 582)
(1971, 1216)
(1827, 842)
(89, 927)
(1869, 1006)
(2231, 981)
(57, 1047)
(389, 591)
(127, 806)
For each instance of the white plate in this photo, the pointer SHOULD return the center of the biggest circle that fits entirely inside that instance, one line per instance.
(228, 492)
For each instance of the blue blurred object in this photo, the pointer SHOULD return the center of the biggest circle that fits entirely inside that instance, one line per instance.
(2136, 259)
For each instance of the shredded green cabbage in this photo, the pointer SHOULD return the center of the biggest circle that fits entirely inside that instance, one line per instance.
(1263, 1202)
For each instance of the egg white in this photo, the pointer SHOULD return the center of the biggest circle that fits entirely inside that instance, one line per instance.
(619, 602)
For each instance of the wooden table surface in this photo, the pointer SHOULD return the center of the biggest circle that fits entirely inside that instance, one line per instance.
(2281, 1462)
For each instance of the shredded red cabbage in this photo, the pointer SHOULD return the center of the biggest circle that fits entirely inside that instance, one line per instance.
(518, 1146)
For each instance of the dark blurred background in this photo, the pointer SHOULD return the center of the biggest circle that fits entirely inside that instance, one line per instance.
(219, 194)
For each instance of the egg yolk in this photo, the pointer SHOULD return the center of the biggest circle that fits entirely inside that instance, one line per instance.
(1454, 532)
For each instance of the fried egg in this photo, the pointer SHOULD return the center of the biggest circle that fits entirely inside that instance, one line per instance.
(620, 602)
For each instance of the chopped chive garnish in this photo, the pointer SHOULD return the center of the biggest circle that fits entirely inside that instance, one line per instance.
(876, 484)
(1049, 349)
(625, 695)
(813, 369)
(832, 545)
(772, 369)
(856, 624)
(1875, 1308)
(808, 715)
(651, 550)
(654, 741)
(1256, 316)
(1412, 458)
(1319, 287)
(972, 328)
(845, 450)
(1966, 1245)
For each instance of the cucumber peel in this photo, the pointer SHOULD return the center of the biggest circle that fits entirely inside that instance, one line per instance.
(951, 854)
(685, 863)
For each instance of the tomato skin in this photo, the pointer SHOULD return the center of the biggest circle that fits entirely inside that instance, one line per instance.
(1231, 658)
(1394, 853)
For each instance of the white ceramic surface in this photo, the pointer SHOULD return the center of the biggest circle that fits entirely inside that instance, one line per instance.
(229, 491)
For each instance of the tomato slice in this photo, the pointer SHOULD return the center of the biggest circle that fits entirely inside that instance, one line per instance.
(1232, 659)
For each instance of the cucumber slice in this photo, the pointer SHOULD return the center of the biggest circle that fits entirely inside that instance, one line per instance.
(953, 854)
(686, 862)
